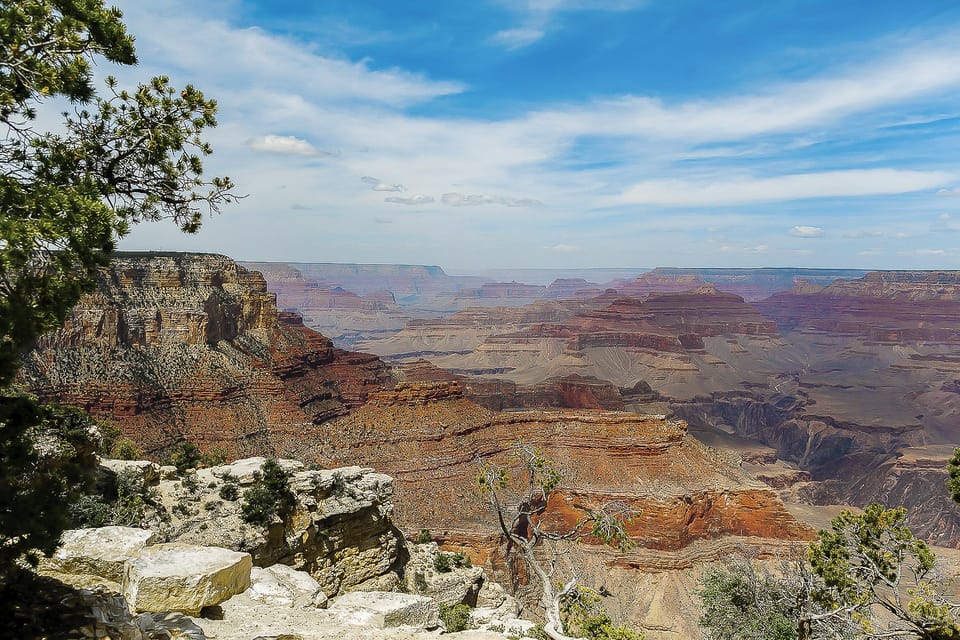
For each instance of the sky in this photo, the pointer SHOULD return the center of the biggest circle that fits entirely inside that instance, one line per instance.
(571, 133)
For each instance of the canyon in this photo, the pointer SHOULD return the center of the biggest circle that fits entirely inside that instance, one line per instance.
(847, 376)
(726, 425)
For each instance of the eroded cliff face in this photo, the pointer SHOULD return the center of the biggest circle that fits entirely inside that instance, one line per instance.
(174, 346)
(430, 440)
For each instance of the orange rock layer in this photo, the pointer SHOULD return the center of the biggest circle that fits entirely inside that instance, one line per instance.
(682, 491)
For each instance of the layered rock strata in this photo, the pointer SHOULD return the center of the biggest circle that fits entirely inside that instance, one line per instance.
(191, 346)
(683, 491)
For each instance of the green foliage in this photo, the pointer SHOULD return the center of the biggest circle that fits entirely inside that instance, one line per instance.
(229, 490)
(65, 200)
(461, 560)
(109, 433)
(441, 562)
(269, 496)
(419, 581)
(190, 482)
(583, 616)
(126, 449)
(47, 461)
(184, 455)
(423, 537)
(126, 502)
(953, 471)
(214, 457)
(873, 558)
(455, 617)
(740, 603)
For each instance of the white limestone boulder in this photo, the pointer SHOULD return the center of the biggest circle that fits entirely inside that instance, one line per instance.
(454, 586)
(382, 610)
(144, 471)
(283, 586)
(244, 471)
(186, 578)
(99, 552)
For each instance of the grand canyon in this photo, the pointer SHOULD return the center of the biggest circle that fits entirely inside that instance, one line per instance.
(732, 410)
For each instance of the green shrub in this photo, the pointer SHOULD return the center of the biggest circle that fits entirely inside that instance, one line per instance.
(419, 581)
(89, 511)
(109, 433)
(269, 496)
(455, 617)
(423, 537)
(214, 457)
(184, 455)
(190, 482)
(584, 616)
(461, 560)
(441, 562)
(126, 449)
(229, 490)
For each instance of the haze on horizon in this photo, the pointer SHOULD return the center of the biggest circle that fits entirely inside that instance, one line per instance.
(572, 134)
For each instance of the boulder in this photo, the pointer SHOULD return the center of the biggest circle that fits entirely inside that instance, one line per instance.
(456, 586)
(98, 552)
(381, 610)
(491, 595)
(244, 470)
(283, 586)
(187, 578)
(145, 471)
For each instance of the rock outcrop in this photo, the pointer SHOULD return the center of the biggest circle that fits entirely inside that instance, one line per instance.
(185, 578)
(683, 491)
(191, 346)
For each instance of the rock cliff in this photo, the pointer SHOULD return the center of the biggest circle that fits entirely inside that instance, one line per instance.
(191, 346)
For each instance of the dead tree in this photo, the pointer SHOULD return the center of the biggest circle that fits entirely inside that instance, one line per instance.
(522, 525)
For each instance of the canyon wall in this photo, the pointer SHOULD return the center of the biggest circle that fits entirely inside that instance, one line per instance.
(191, 346)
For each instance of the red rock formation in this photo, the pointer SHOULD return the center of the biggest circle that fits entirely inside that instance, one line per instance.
(177, 346)
(889, 306)
(682, 491)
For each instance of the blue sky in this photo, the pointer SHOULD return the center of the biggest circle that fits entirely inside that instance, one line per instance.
(573, 133)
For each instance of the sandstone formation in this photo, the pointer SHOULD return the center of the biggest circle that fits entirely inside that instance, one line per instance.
(187, 578)
(380, 610)
(684, 491)
(750, 284)
(100, 553)
(188, 346)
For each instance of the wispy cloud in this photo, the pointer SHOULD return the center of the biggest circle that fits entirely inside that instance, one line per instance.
(473, 200)
(538, 16)
(854, 182)
(804, 231)
(563, 248)
(417, 198)
(290, 145)
(378, 185)
(518, 37)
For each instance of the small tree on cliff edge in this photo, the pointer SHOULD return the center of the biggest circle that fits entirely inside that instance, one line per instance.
(65, 200)
(867, 576)
(522, 526)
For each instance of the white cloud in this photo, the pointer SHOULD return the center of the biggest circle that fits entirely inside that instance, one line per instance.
(563, 248)
(291, 145)
(830, 184)
(924, 252)
(417, 198)
(473, 200)
(948, 192)
(518, 37)
(378, 185)
(862, 233)
(803, 231)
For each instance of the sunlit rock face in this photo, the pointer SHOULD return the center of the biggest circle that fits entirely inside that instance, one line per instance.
(174, 346)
